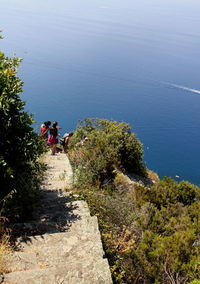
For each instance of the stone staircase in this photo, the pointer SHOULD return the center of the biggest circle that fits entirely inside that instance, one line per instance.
(62, 245)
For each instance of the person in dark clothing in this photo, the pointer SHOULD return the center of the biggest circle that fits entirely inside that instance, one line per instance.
(65, 139)
(53, 137)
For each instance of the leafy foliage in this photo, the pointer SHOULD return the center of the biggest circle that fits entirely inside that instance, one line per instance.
(20, 146)
(150, 234)
(168, 249)
(111, 145)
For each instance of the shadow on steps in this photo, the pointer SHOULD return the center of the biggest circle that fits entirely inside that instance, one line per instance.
(56, 213)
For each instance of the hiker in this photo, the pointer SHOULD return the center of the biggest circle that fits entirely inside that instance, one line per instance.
(53, 137)
(65, 140)
(44, 130)
(82, 142)
(85, 139)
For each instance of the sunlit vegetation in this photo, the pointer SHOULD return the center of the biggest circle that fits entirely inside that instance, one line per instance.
(20, 146)
(151, 234)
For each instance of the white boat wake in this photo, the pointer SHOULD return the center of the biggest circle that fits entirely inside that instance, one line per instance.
(195, 91)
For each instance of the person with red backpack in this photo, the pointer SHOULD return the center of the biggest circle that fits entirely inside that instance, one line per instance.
(44, 130)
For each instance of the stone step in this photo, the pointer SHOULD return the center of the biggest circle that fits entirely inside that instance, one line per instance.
(60, 209)
(80, 272)
(62, 244)
(76, 220)
(62, 167)
(65, 240)
(25, 243)
(82, 226)
(59, 254)
(62, 217)
(78, 207)
(86, 225)
(52, 195)
(37, 228)
(56, 182)
(65, 254)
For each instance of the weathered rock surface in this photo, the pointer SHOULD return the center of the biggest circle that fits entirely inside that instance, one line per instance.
(62, 244)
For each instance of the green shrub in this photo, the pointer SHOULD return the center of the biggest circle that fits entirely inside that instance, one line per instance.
(20, 146)
(168, 249)
(150, 235)
(168, 192)
(111, 145)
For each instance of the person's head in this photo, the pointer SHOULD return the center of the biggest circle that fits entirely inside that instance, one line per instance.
(86, 138)
(71, 134)
(47, 123)
(55, 124)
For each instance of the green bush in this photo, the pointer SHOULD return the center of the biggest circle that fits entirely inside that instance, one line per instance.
(20, 146)
(168, 192)
(111, 145)
(168, 249)
(150, 235)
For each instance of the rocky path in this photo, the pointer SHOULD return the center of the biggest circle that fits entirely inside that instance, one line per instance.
(62, 245)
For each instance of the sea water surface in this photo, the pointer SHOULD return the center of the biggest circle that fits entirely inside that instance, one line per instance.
(136, 61)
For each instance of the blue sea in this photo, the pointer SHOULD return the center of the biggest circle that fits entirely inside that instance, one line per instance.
(132, 61)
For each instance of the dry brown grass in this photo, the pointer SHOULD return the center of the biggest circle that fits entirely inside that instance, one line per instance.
(121, 181)
(5, 251)
(5, 247)
(153, 176)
